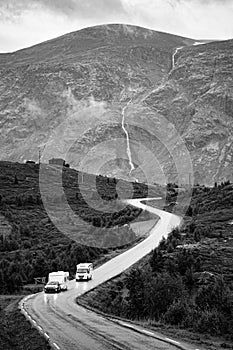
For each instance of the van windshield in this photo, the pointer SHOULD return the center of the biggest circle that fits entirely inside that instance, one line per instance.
(82, 270)
(55, 278)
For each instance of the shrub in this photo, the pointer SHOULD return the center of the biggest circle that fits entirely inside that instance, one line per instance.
(161, 292)
(210, 321)
(176, 312)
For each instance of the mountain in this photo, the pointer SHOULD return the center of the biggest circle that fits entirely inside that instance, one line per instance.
(122, 101)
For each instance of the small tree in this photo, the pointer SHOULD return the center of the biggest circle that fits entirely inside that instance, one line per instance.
(16, 180)
(135, 286)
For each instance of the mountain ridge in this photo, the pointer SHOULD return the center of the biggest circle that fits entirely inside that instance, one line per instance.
(104, 29)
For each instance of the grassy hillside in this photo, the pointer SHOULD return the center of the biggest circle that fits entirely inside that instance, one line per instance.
(31, 245)
(187, 282)
(15, 331)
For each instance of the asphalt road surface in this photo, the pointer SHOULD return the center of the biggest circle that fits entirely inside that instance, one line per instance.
(71, 326)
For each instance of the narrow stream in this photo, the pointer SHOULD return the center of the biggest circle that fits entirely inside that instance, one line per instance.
(127, 137)
(173, 56)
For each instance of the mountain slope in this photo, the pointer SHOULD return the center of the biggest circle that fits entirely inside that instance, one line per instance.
(198, 99)
(73, 92)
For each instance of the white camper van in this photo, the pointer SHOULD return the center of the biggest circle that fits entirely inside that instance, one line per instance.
(84, 271)
(61, 277)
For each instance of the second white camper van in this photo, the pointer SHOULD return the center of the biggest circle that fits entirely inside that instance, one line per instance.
(84, 271)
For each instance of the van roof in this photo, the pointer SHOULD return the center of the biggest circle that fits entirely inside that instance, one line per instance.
(63, 271)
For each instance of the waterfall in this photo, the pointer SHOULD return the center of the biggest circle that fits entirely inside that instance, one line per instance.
(181, 47)
(127, 137)
(173, 56)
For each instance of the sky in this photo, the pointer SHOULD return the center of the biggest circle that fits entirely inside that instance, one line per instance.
(27, 22)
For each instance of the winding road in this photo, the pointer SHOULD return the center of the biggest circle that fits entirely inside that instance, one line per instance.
(71, 326)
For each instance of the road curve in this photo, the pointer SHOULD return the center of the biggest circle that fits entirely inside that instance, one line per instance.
(71, 326)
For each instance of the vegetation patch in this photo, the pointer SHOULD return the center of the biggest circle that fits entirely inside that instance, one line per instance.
(15, 331)
(31, 245)
(186, 283)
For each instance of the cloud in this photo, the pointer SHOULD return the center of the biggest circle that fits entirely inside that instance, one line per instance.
(27, 22)
(24, 23)
(30, 28)
(200, 19)
(87, 8)
(72, 8)
(202, 2)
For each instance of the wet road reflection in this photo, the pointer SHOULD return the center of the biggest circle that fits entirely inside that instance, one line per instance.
(50, 298)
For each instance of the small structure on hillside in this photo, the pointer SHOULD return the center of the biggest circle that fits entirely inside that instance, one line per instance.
(40, 280)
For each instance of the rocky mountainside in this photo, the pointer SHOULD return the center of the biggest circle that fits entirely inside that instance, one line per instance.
(198, 98)
(102, 95)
